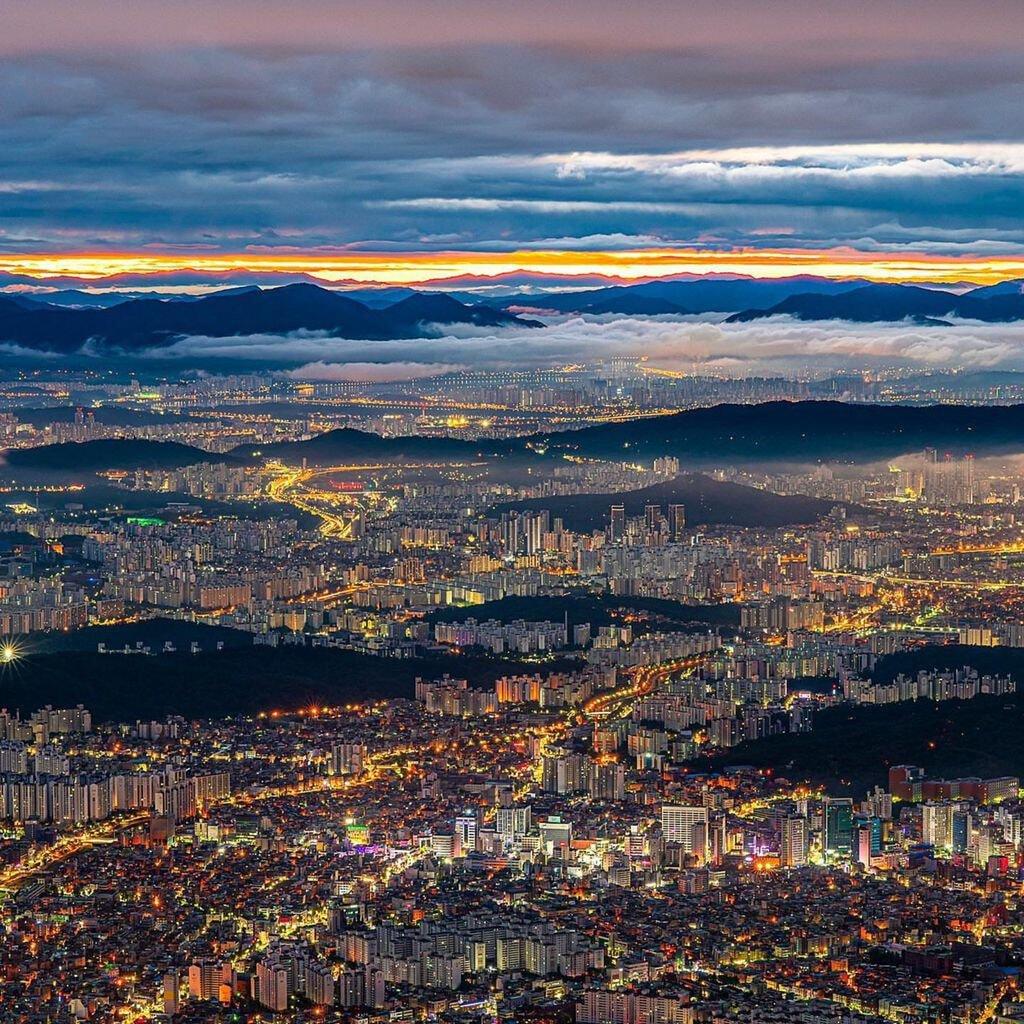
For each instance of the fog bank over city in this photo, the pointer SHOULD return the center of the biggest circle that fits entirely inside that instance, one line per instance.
(779, 346)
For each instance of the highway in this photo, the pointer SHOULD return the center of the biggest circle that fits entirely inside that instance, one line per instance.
(644, 680)
(922, 581)
(42, 858)
(338, 511)
(336, 520)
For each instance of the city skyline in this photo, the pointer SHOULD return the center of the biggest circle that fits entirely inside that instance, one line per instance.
(512, 513)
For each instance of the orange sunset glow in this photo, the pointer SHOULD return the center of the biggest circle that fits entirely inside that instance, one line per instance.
(633, 264)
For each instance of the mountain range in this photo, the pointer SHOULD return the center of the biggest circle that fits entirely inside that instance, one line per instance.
(722, 435)
(654, 298)
(896, 302)
(801, 297)
(70, 457)
(343, 445)
(153, 323)
(795, 432)
(75, 298)
(707, 501)
(72, 320)
(815, 431)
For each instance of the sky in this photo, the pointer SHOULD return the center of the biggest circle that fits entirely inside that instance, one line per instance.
(415, 140)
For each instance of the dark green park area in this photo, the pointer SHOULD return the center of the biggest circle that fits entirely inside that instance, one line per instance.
(653, 613)
(851, 748)
(241, 678)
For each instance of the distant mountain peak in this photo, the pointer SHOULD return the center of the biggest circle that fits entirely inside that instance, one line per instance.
(156, 321)
(892, 303)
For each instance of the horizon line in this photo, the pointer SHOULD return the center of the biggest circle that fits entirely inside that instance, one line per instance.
(631, 266)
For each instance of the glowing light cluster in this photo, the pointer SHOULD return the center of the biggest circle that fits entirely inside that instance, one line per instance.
(629, 265)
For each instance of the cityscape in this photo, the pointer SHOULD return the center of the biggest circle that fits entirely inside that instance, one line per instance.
(512, 514)
(510, 736)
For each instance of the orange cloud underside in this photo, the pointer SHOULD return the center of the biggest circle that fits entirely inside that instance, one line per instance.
(409, 268)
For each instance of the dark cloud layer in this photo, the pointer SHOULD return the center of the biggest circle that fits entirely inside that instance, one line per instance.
(484, 145)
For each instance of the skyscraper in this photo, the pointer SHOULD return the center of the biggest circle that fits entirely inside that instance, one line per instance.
(617, 529)
(793, 845)
(862, 842)
(677, 522)
(466, 831)
(687, 826)
(937, 825)
(171, 993)
(838, 826)
(963, 823)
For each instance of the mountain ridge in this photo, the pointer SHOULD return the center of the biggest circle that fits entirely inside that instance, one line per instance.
(809, 431)
(681, 297)
(890, 303)
(803, 432)
(708, 502)
(155, 323)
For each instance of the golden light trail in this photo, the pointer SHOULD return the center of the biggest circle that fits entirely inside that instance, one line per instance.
(629, 265)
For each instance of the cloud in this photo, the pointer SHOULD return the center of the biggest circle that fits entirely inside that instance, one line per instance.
(830, 30)
(683, 344)
(486, 146)
(29, 355)
(375, 372)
